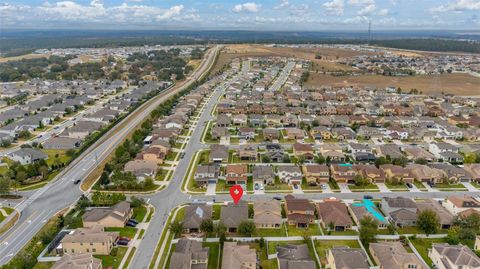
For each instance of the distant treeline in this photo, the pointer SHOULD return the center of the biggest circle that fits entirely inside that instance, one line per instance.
(14, 43)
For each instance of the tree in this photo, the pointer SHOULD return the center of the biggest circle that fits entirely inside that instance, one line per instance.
(246, 228)
(428, 221)
(207, 226)
(381, 161)
(104, 178)
(361, 181)
(5, 185)
(368, 229)
(43, 170)
(176, 227)
(220, 229)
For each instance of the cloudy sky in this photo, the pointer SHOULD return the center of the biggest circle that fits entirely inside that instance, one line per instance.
(236, 14)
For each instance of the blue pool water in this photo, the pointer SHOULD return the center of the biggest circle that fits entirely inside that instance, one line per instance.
(370, 206)
(345, 164)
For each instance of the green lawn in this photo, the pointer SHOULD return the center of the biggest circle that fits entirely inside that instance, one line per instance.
(409, 230)
(396, 187)
(56, 155)
(322, 246)
(313, 229)
(423, 244)
(278, 186)
(265, 263)
(213, 255)
(369, 187)
(216, 211)
(112, 261)
(419, 185)
(446, 186)
(124, 232)
(271, 232)
(475, 184)
(139, 213)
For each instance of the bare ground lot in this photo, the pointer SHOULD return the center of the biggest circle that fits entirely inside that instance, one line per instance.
(26, 56)
(458, 84)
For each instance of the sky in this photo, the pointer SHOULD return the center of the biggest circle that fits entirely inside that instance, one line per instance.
(314, 15)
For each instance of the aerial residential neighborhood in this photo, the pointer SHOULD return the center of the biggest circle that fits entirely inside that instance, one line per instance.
(330, 134)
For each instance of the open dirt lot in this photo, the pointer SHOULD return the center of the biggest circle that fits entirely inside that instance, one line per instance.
(26, 56)
(458, 84)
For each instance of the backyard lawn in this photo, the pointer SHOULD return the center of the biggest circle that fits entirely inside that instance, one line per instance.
(109, 261)
(124, 232)
(322, 246)
(313, 229)
(423, 244)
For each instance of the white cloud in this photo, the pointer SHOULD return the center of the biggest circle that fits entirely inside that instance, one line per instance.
(335, 7)
(247, 7)
(168, 14)
(368, 10)
(361, 2)
(282, 4)
(458, 5)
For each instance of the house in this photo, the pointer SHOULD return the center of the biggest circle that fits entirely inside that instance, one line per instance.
(417, 153)
(370, 172)
(141, 169)
(293, 256)
(347, 258)
(289, 174)
(401, 211)
(343, 173)
(425, 173)
(391, 151)
(233, 214)
(446, 152)
(115, 216)
(303, 151)
(189, 254)
(275, 153)
(27, 156)
(333, 215)
(236, 174)
(223, 120)
(240, 119)
(152, 154)
(218, 153)
(332, 153)
(294, 133)
(206, 174)
(267, 214)
(89, 240)
(458, 204)
(444, 216)
(397, 173)
(270, 134)
(247, 152)
(477, 243)
(263, 174)
(390, 255)
(237, 256)
(194, 215)
(445, 256)
(62, 143)
(321, 132)
(82, 129)
(300, 212)
(358, 212)
(219, 132)
(454, 174)
(316, 173)
(247, 133)
(78, 261)
(163, 145)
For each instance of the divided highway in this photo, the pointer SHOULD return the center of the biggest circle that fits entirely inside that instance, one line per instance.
(61, 192)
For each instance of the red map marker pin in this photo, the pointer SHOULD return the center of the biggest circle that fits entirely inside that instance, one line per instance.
(236, 192)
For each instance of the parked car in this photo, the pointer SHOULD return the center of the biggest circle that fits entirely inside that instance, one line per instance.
(261, 187)
(257, 186)
(323, 186)
(409, 185)
(277, 198)
(122, 242)
(76, 181)
(295, 186)
(369, 197)
(133, 220)
(130, 224)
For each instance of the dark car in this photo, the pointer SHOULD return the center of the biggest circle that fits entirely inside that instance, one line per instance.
(76, 181)
(130, 224)
(409, 185)
(277, 198)
(122, 242)
(133, 220)
(369, 197)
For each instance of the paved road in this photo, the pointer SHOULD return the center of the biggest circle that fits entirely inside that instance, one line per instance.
(61, 192)
(282, 78)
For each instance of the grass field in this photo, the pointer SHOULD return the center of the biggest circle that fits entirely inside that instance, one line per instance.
(423, 244)
(22, 57)
(112, 261)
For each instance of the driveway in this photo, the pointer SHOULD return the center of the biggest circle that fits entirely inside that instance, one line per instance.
(344, 188)
(470, 187)
(429, 189)
(298, 190)
(211, 189)
(327, 189)
(383, 188)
